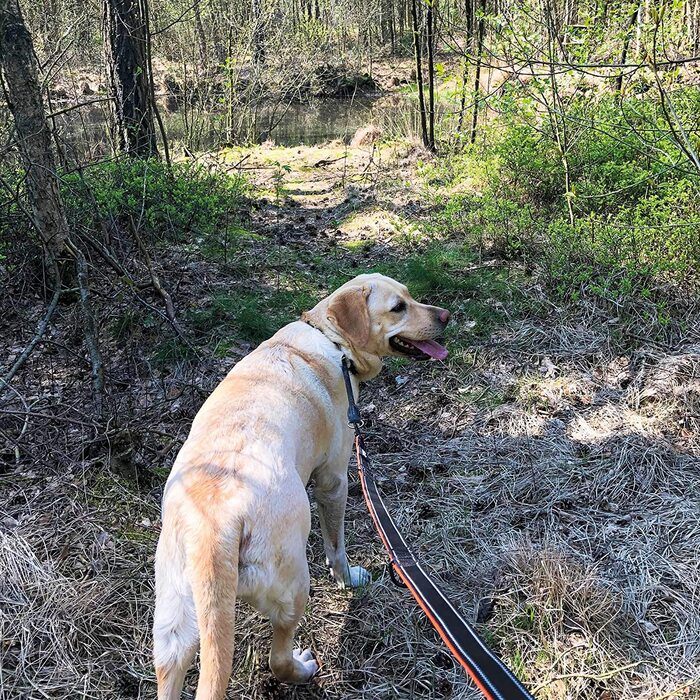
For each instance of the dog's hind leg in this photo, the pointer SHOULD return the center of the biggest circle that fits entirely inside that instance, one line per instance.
(288, 664)
(175, 635)
(281, 593)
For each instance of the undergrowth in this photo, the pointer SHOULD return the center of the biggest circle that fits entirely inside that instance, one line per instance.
(624, 229)
(184, 203)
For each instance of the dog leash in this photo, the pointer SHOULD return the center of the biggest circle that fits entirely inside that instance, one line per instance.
(489, 673)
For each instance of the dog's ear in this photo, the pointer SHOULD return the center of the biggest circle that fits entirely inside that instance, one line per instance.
(348, 312)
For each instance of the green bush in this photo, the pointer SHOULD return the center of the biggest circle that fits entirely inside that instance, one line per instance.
(167, 205)
(634, 227)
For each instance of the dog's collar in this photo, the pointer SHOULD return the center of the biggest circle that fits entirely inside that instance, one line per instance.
(346, 360)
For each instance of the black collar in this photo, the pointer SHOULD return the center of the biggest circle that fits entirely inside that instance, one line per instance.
(347, 362)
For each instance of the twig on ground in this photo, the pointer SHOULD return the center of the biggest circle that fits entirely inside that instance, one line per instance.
(155, 281)
(41, 329)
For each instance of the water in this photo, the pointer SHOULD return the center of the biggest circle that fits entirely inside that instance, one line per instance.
(86, 133)
(319, 122)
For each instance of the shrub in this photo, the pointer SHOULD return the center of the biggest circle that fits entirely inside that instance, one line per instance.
(167, 205)
(635, 203)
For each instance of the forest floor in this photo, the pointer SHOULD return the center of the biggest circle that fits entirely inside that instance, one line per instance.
(547, 473)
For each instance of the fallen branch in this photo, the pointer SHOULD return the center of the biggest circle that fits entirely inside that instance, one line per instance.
(155, 281)
(78, 105)
(90, 329)
(41, 329)
(327, 161)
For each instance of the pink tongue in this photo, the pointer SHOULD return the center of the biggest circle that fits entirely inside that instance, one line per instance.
(430, 347)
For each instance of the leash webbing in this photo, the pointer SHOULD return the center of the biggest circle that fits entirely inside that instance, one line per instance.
(488, 672)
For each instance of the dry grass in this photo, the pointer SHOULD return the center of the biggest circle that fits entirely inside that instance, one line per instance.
(566, 518)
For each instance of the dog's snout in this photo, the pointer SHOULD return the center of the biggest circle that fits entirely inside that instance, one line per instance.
(443, 316)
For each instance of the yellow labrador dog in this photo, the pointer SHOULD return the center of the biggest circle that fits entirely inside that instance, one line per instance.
(235, 511)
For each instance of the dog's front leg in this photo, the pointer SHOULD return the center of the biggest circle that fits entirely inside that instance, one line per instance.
(331, 492)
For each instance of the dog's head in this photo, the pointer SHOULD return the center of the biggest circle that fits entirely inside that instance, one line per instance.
(375, 315)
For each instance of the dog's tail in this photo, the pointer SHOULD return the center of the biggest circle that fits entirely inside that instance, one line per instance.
(196, 586)
(213, 567)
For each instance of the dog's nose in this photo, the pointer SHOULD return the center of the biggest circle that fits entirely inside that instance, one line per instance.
(444, 316)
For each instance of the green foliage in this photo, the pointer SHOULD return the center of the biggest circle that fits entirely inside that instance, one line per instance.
(311, 32)
(531, 163)
(254, 316)
(166, 205)
(634, 227)
(444, 273)
(436, 269)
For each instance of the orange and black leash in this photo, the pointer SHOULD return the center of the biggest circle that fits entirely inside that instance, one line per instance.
(489, 673)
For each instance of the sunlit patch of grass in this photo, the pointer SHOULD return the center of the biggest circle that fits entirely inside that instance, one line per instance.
(358, 245)
(382, 223)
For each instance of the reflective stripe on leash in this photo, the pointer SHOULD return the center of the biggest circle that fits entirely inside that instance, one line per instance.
(493, 678)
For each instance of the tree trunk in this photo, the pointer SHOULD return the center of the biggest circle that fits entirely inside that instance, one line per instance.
(430, 36)
(19, 68)
(626, 45)
(392, 29)
(468, 48)
(230, 89)
(126, 36)
(477, 78)
(419, 72)
(258, 34)
(201, 38)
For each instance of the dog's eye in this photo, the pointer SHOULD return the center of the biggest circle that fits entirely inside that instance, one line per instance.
(399, 307)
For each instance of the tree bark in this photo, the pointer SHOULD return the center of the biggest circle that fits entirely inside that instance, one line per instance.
(430, 36)
(23, 92)
(468, 48)
(417, 46)
(201, 37)
(126, 36)
(477, 77)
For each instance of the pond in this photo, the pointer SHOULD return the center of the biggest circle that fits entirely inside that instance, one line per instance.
(85, 131)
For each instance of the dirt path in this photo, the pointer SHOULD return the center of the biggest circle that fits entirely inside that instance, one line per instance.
(547, 473)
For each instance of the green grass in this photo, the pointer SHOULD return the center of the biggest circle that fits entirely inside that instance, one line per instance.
(169, 350)
(359, 245)
(252, 316)
(445, 274)
(487, 397)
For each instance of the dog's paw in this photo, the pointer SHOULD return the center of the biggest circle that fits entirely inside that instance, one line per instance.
(359, 577)
(347, 576)
(305, 665)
